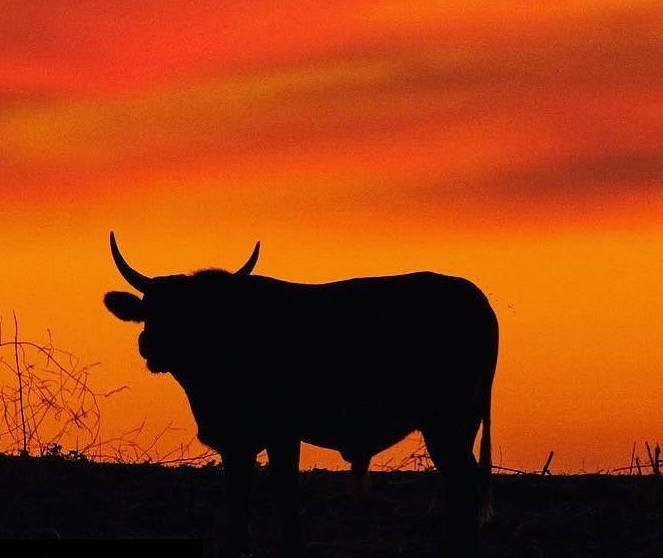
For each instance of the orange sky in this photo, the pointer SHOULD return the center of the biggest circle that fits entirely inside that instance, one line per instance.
(518, 146)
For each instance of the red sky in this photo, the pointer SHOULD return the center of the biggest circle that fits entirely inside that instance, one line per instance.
(513, 144)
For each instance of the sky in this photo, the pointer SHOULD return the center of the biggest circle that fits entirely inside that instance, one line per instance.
(515, 144)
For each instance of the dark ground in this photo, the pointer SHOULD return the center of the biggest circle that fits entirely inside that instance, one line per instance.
(558, 516)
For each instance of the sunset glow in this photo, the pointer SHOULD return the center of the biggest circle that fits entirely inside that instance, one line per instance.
(518, 147)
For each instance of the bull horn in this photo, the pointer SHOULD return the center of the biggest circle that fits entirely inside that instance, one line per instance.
(247, 268)
(136, 280)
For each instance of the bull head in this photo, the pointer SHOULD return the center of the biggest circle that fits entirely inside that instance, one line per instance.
(154, 309)
(125, 305)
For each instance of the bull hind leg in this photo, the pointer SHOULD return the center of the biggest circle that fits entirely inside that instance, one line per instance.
(360, 483)
(458, 502)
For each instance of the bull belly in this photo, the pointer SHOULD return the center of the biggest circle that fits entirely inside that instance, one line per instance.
(359, 442)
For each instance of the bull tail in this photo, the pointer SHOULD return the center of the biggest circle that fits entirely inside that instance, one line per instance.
(485, 467)
(485, 459)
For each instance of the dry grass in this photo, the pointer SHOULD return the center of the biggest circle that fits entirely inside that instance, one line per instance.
(48, 407)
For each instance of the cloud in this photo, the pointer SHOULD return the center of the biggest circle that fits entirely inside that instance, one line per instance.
(560, 104)
(586, 176)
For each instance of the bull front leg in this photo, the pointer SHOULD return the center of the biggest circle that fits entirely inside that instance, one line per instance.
(238, 467)
(284, 472)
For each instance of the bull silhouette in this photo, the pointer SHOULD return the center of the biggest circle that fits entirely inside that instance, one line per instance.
(352, 365)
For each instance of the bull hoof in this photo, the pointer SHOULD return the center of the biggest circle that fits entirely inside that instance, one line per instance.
(486, 514)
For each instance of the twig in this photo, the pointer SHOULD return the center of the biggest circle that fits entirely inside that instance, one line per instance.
(545, 470)
(20, 386)
(509, 469)
(653, 458)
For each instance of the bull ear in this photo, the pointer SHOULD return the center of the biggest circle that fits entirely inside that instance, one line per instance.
(126, 306)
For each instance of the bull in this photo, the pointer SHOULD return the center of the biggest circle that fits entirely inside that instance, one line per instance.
(353, 365)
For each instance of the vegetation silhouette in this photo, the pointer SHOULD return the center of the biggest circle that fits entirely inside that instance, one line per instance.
(45, 399)
(49, 407)
(353, 365)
